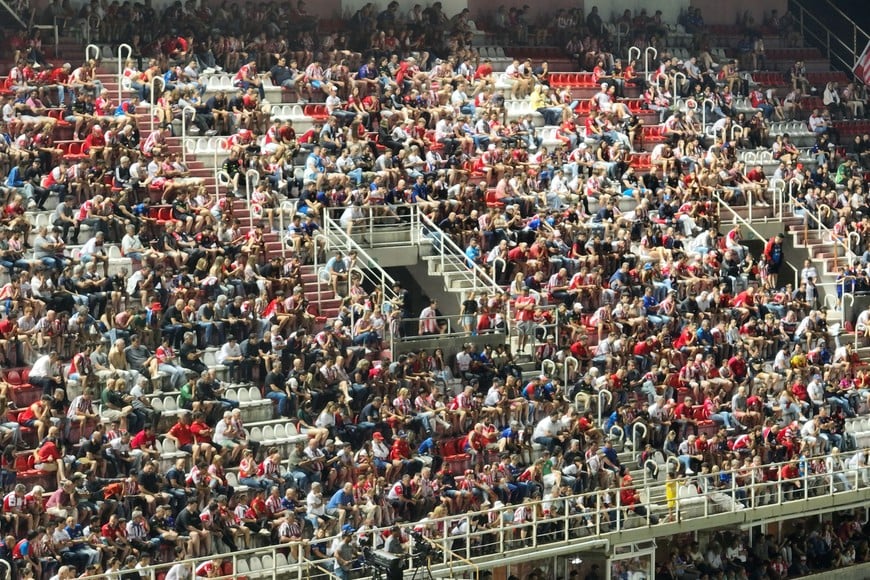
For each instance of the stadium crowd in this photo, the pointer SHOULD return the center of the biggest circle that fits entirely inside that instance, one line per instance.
(729, 367)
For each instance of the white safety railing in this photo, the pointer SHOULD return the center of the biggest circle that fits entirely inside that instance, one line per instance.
(185, 111)
(92, 48)
(602, 404)
(638, 438)
(748, 226)
(367, 268)
(155, 80)
(252, 180)
(840, 37)
(648, 60)
(125, 51)
(634, 53)
(452, 259)
(704, 104)
(580, 521)
(55, 34)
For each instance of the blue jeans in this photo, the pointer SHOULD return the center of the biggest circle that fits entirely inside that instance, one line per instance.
(727, 419)
(283, 402)
(254, 482)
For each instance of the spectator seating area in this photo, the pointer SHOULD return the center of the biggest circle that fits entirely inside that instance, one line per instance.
(187, 382)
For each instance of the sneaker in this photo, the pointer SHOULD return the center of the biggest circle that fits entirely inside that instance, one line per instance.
(264, 532)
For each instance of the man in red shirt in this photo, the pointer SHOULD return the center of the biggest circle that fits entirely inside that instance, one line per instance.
(525, 313)
(629, 498)
(143, 443)
(49, 458)
(202, 436)
(684, 415)
(737, 366)
(182, 436)
(789, 477)
(37, 415)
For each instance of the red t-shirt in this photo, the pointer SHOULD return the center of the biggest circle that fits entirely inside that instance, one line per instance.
(201, 432)
(47, 453)
(183, 433)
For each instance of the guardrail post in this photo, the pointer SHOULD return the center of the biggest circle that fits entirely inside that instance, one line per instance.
(121, 59)
(184, 113)
(155, 81)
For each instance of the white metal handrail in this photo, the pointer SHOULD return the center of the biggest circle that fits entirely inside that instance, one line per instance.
(96, 51)
(826, 232)
(187, 109)
(638, 438)
(252, 180)
(603, 394)
(366, 267)
(55, 33)
(634, 50)
(319, 242)
(704, 104)
(449, 252)
(155, 80)
(647, 60)
(777, 187)
(836, 44)
(122, 48)
(569, 362)
(746, 224)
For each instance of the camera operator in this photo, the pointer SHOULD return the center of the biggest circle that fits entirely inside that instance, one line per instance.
(395, 543)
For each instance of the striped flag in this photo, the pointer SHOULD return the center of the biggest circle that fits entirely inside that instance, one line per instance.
(862, 66)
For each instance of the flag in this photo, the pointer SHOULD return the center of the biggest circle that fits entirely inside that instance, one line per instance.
(862, 66)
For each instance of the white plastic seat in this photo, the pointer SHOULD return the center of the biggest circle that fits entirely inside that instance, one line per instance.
(280, 560)
(254, 394)
(157, 404)
(243, 396)
(268, 434)
(170, 405)
(231, 394)
(280, 433)
(169, 447)
(256, 434)
(242, 566)
(267, 562)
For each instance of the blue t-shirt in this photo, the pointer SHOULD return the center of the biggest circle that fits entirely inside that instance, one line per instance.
(339, 499)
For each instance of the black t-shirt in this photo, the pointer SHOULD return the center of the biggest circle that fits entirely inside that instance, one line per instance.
(187, 519)
(280, 74)
(370, 414)
(469, 307)
(156, 524)
(205, 391)
(276, 379)
(183, 353)
(149, 482)
(172, 313)
(177, 477)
